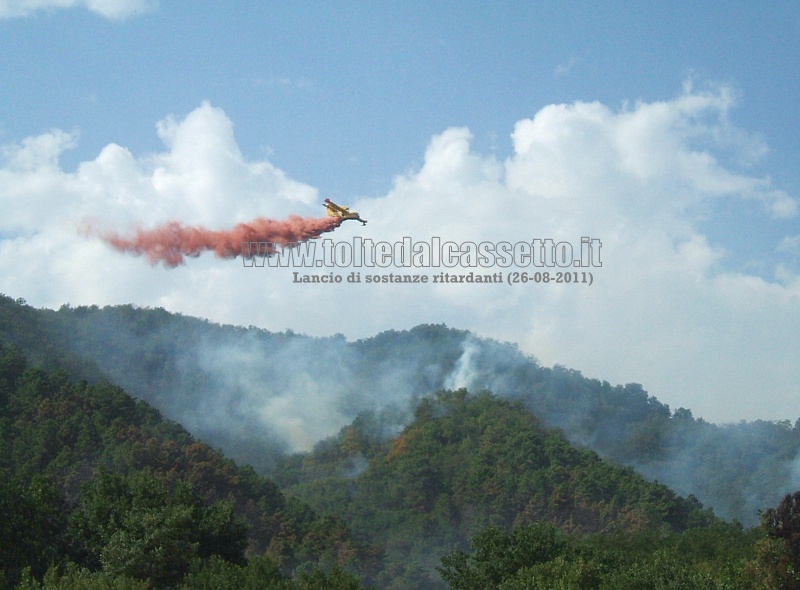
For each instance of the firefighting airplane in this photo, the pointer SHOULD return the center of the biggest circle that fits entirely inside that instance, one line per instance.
(335, 210)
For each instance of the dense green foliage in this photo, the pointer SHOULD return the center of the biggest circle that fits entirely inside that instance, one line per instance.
(102, 485)
(468, 461)
(780, 551)
(541, 557)
(214, 380)
(428, 488)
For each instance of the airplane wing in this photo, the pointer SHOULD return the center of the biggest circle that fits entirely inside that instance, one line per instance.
(335, 210)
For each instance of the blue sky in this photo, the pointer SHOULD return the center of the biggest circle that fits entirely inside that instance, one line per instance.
(490, 119)
(346, 95)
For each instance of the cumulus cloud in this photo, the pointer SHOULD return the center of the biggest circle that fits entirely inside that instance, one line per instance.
(117, 10)
(664, 310)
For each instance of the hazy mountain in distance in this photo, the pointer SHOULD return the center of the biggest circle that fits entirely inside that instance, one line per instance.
(257, 395)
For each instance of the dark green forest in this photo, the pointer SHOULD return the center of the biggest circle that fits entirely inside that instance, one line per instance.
(97, 486)
(223, 383)
(439, 486)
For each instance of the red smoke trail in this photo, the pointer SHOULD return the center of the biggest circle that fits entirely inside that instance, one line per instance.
(172, 241)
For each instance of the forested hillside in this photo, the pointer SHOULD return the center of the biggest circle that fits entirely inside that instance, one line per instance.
(466, 462)
(95, 481)
(256, 394)
(99, 491)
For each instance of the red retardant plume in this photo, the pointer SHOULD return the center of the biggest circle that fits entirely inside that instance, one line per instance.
(171, 242)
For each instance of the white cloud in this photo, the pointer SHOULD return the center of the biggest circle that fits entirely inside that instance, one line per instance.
(111, 9)
(205, 172)
(663, 309)
(789, 245)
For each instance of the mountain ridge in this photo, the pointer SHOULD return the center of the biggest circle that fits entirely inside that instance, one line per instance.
(227, 384)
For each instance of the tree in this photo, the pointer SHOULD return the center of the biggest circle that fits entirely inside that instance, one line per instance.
(143, 527)
(260, 573)
(32, 527)
(498, 556)
(780, 555)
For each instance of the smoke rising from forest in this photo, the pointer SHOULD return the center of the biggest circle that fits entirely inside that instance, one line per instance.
(255, 394)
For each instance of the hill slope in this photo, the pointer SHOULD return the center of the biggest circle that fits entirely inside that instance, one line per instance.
(465, 462)
(257, 394)
(139, 502)
(95, 441)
